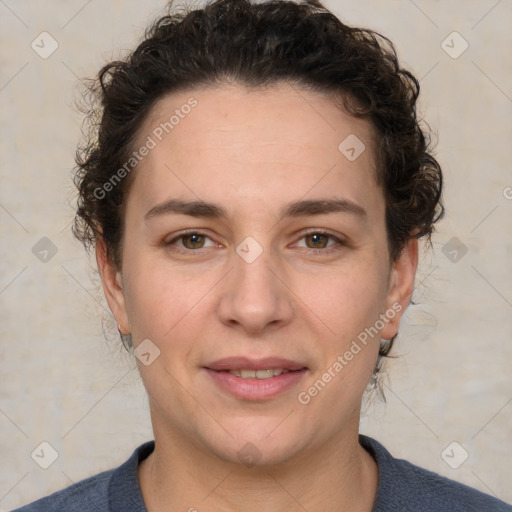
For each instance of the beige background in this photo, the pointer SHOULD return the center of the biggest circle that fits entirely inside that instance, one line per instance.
(64, 378)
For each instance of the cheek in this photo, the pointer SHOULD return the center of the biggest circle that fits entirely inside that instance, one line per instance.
(349, 300)
(349, 303)
(351, 343)
(161, 300)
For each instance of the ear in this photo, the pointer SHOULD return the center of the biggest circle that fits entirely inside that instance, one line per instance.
(112, 282)
(401, 286)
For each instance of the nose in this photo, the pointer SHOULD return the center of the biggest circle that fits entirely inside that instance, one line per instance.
(254, 296)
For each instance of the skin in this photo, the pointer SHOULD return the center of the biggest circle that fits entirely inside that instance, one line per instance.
(254, 152)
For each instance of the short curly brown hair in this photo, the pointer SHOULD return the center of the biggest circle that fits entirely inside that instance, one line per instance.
(258, 45)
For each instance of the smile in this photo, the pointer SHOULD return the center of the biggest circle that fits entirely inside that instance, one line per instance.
(258, 374)
(256, 385)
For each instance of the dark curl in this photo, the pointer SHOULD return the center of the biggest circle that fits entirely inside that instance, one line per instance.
(258, 45)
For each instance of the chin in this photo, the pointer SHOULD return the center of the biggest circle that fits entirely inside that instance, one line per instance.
(257, 442)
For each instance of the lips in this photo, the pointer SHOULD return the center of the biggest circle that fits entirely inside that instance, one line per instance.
(245, 363)
(255, 379)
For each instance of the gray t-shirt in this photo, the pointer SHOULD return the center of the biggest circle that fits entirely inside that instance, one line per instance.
(403, 487)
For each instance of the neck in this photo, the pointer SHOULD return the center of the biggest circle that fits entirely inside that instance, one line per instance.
(179, 475)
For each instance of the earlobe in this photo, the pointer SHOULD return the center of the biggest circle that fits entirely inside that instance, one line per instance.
(112, 282)
(401, 287)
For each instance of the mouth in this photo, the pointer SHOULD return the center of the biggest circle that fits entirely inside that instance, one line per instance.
(246, 364)
(252, 380)
(258, 374)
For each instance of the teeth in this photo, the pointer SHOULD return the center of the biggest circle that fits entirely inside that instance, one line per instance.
(258, 374)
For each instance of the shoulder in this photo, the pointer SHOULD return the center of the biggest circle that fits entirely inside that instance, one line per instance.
(111, 491)
(89, 494)
(405, 486)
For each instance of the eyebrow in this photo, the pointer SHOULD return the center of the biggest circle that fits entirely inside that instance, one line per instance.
(296, 209)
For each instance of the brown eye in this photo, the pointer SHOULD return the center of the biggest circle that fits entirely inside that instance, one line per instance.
(318, 240)
(189, 242)
(193, 241)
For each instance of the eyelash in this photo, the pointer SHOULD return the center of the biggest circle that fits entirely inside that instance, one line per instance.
(328, 250)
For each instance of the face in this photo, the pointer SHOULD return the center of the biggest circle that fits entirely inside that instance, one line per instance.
(281, 263)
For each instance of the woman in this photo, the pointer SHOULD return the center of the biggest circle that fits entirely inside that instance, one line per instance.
(255, 197)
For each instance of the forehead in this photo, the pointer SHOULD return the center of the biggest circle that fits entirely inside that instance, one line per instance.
(267, 145)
